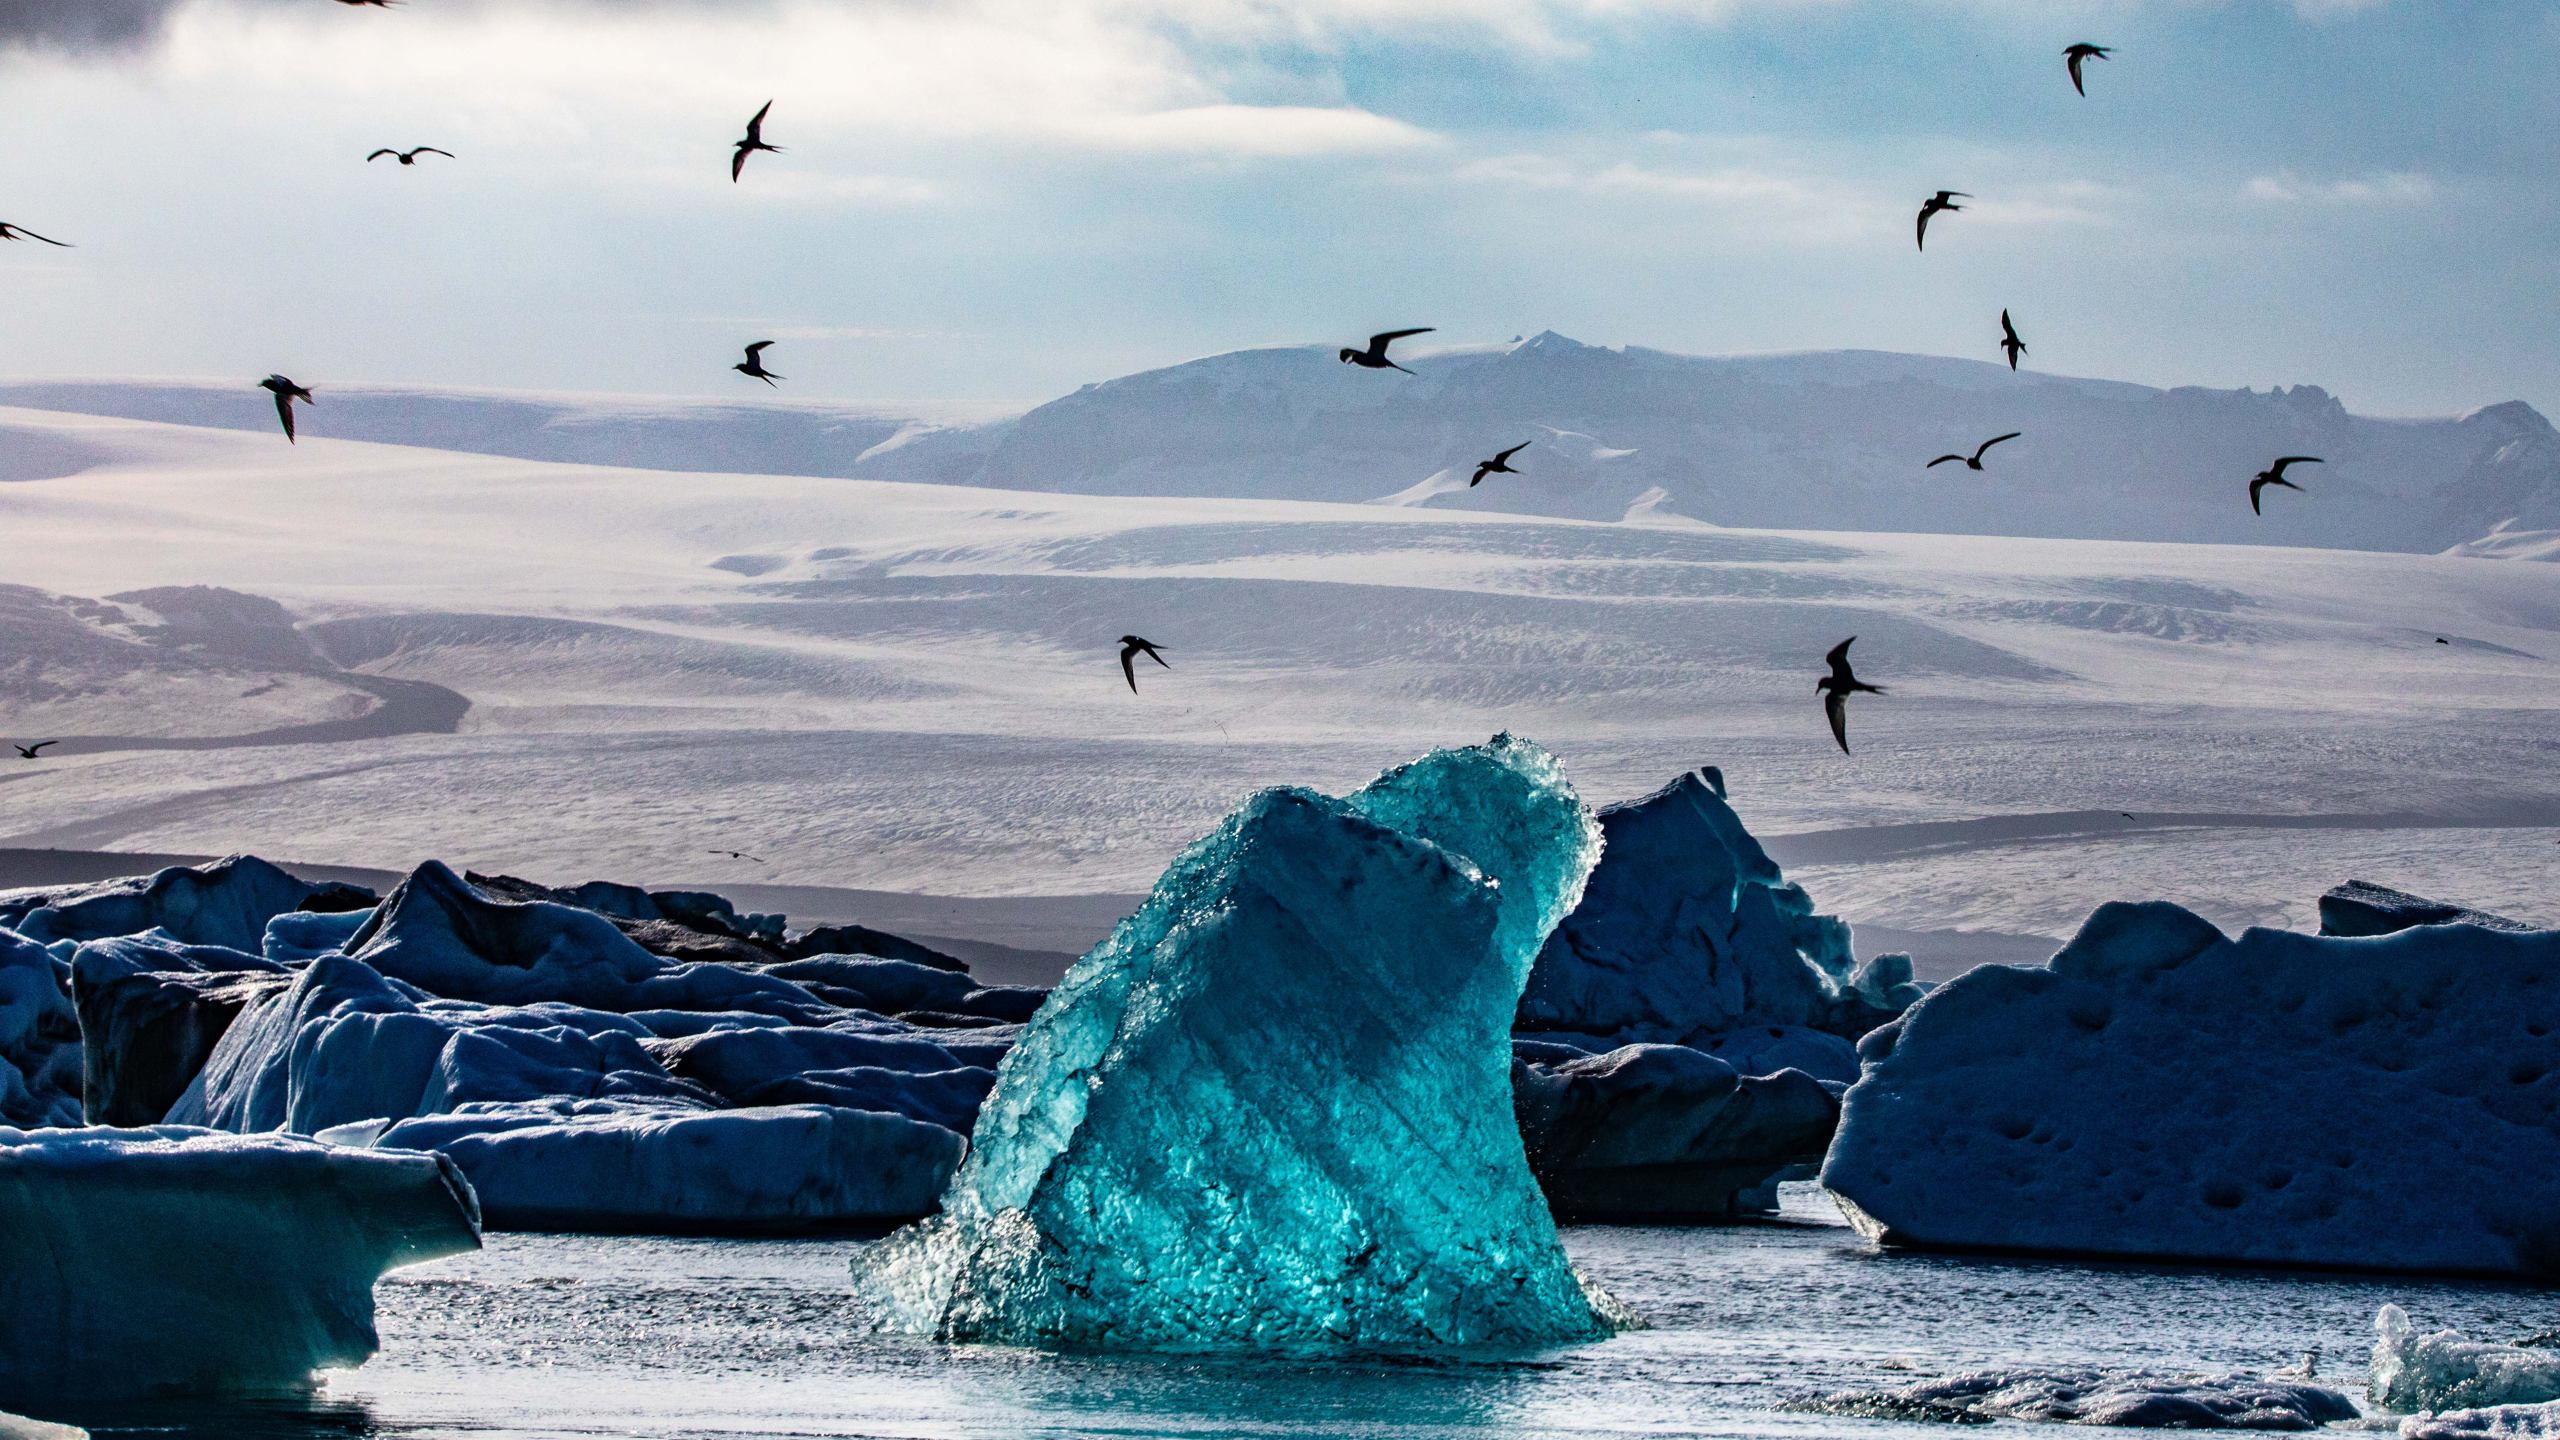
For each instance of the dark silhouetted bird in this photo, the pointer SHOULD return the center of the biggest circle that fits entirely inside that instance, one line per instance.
(738, 855)
(1943, 200)
(1499, 464)
(753, 366)
(376, 4)
(1130, 645)
(2009, 340)
(407, 157)
(28, 752)
(1375, 357)
(286, 392)
(2077, 53)
(1974, 461)
(753, 143)
(12, 232)
(2274, 475)
(1836, 689)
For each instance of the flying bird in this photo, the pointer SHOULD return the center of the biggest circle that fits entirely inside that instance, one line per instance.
(1836, 689)
(376, 4)
(12, 232)
(753, 368)
(738, 855)
(1974, 461)
(753, 143)
(1943, 200)
(2274, 475)
(28, 752)
(286, 392)
(1375, 357)
(2077, 53)
(407, 157)
(1130, 645)
(2009, 340)
(2442, 641)
(1499, 464)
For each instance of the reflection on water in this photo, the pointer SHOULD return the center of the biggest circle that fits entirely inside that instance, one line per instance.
(563, 1336)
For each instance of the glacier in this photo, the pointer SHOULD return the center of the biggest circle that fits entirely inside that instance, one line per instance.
(2160, 1090)
(1272, 1110)
(141, 1262)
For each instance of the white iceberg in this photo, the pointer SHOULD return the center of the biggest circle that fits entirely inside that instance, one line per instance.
(2444, 1371)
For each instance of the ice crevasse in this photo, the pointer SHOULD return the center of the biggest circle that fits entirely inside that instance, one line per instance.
(1273, 1109)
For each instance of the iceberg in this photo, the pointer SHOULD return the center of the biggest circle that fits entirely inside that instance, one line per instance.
(2134, 1399)
(151, 1014)
(39, 1039)
(1663, 1132)
(2361, 907)
(142, 1262)
(228, 902)
(2160, 1091)
(1273, 1109)
(2444, 1371)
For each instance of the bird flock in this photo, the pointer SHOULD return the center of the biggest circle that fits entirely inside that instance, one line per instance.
(1836, 686)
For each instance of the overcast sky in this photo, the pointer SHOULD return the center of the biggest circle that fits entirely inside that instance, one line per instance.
(1003, 199)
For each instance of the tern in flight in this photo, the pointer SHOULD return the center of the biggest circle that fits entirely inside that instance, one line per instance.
(1974, 461)
(28, 752)
(2274, 475)
(1943, 200)
(2009, 340)
(1836, 689)
(1375, 357)
(1130, 645)
(737, 855)
(2077, 53)
(753, 143)
(753, 368)
(12, 232)
(407, 157)
(1499, 464)
(286, 392)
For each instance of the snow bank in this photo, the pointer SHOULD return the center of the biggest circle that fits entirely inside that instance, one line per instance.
(2139, 1399)
(2158, 1090)
(2445, 1371)
(135, 1262)
(1273, 1109)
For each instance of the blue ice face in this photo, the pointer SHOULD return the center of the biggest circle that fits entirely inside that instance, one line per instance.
(1273, 1110)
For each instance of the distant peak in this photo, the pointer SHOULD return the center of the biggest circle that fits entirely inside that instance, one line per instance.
(1548, 342)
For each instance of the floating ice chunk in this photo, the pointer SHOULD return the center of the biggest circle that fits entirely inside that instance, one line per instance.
(2445, 1371)
(2161, 1091)
(2498, 1422)
(19, 1427)
(150, 1016)
(1664, 1132)
(134, 1262)
(1273, 1109)
(2139, 1399)
(2361, 907)
(1689, 930)
(228, 902)
(39, 1038)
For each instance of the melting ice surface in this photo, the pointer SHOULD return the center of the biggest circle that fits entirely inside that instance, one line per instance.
(1273, 1109)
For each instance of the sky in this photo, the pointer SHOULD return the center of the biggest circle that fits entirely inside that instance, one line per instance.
(999, 200)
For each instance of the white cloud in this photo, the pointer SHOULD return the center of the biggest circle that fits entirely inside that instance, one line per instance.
(2390, 187)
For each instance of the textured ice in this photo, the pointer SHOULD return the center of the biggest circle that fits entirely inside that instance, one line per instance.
(1689, 931)
(2444, 1371)
(2496, 1422)
(39, 1038)
(134, 1262)
(228, 902)
(1273, 1109)
(2360, 907)
(1663, 1132)
(2137, 1399)
(2158, 1090)
(151, 1012)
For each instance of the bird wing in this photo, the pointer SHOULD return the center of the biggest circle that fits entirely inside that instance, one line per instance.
(431, 150)
(1836, 705)
(755, 127)
(1926, 210)
(378, 154)
(1482, 470)
(1378, 343)
(1838, 659)
(1996, 440)
(284, 411)
(757, 349)
(2257, 487)
(1505, 456)
(738, 163)
(39, 745)
(1129, 666)
(1941, 460)
(2009, 331)
(2278, 470)
(2071, 57)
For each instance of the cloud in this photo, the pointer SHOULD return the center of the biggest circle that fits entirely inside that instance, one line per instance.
(83, 25)
(2390, 187)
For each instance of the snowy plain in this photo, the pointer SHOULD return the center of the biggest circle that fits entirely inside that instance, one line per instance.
(566, 671)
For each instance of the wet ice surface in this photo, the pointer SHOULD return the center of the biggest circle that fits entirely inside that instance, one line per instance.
(544, 1336)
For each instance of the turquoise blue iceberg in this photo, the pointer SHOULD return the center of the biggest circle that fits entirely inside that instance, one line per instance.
(1273, 1110)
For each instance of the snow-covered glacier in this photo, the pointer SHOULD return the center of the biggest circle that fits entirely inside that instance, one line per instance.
(1273, 1110)
(2161, 1090)
(140, 1262)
